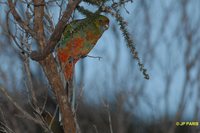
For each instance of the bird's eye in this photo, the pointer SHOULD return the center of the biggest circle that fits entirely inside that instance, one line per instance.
(100, 21)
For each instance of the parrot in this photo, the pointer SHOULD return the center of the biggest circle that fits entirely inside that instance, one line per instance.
(78, 39)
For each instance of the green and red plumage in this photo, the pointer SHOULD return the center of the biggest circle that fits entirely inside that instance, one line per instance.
(78, 39)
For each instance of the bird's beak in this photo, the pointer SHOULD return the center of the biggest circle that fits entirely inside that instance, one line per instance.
(103, 28)
(107, 26)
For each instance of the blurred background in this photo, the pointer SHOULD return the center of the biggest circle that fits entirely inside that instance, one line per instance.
(112, 94)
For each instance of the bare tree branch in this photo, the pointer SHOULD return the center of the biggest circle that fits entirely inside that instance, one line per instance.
(27, 115)
(19, 19)
(38, 22)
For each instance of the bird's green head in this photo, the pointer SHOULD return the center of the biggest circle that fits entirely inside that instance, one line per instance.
(102, 22)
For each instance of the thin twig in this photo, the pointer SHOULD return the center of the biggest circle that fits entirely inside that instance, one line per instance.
(19, 19)
(60, 5)
(79, 98)
(13, 37)
(129, 41)
(5, 128)
(54, 116)
(106, 105)
(98, 57)
(27, 115)
(45, 100)
(95, 127)
(29, 79)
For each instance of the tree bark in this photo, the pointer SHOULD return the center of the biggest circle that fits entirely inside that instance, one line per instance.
(50, 70)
